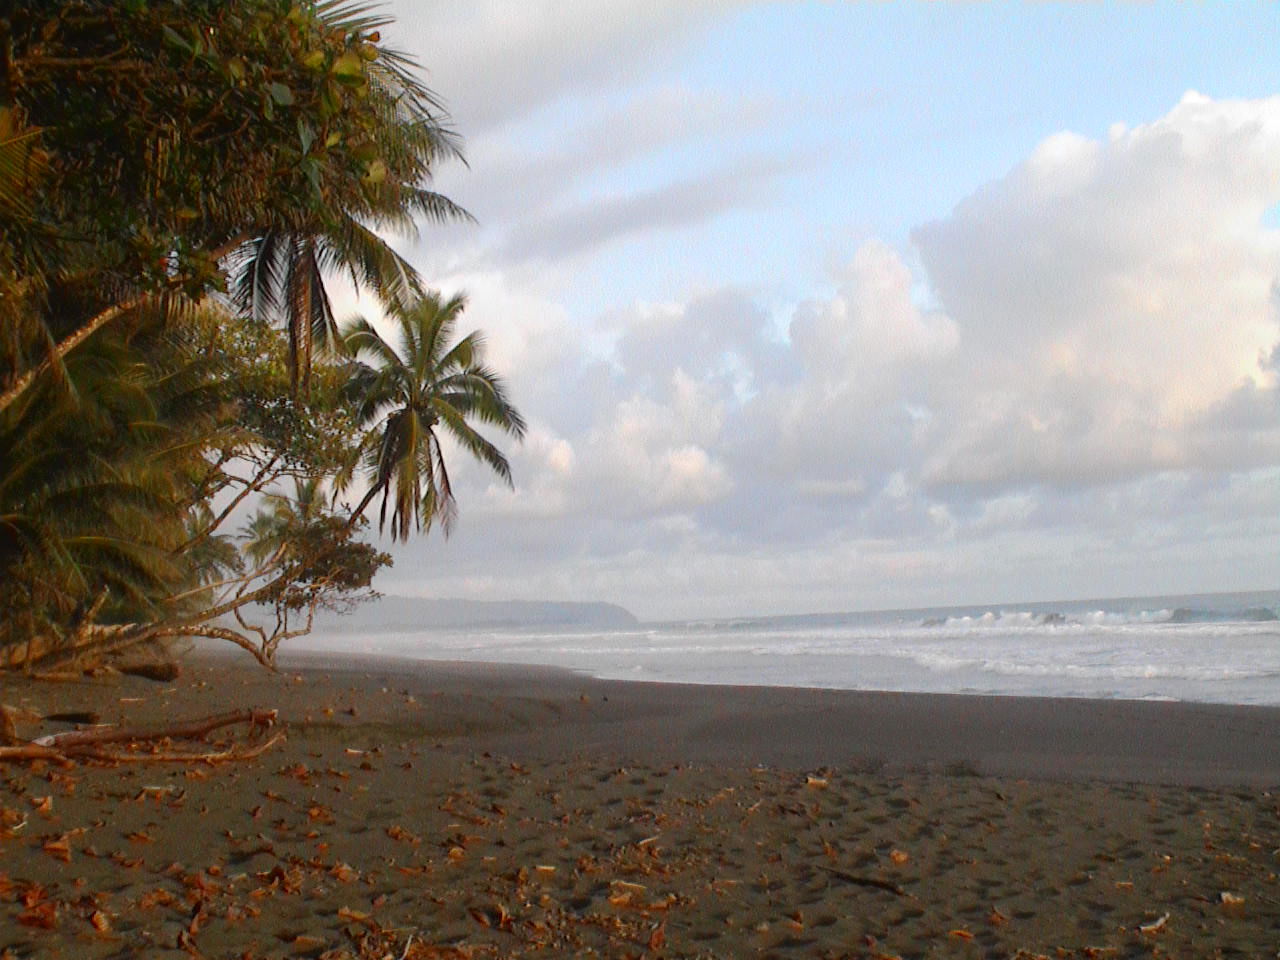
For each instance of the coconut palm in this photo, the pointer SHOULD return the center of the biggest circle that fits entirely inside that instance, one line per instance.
(278, 273)
(411, 394)
(95, 472)
(226, 142)
(281, 517)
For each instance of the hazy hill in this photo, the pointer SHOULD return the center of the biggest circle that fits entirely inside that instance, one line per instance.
(402, 614)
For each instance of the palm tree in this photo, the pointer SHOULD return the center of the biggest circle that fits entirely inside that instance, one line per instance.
(412, 393)
(205, 172)
(95, 472)
(278, 272)
(281, 517)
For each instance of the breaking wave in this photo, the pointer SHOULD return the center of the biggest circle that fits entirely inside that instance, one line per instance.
(1026, 618)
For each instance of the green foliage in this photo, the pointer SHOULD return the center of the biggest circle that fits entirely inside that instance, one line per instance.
(179, 133)
(177, 180)
(98, 472)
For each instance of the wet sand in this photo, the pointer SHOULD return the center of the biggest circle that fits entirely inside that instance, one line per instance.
(462, 810)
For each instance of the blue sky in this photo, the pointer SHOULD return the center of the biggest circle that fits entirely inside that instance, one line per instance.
(856, 305)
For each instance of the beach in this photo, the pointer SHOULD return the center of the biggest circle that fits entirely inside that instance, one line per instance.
(419, 809)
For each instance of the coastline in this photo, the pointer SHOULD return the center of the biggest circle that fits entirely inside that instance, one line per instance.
(487, 810)
(1049, 738)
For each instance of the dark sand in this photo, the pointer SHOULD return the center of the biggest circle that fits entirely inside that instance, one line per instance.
(449, 810)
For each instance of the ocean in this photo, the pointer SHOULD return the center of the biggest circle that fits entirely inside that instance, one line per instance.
(1215, 648)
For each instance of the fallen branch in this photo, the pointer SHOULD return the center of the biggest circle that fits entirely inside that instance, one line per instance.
(62, 747)
(191, 730)
(31, 751)
(221, 756)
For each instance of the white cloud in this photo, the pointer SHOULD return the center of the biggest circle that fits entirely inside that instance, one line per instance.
(592, 221)
(496, 61)
(1090, 372)
(1110, 296)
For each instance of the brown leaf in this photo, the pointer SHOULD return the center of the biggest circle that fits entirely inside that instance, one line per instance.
(899, 856)
(343, 872)
(504, 918)
(140, 836)
(59, 848)
(319, 813)
(960, 934)
(658, 937)
(1155, 926)
(356, 916)
(33, 894)
(290, 881)
(43, 915)
(201, 884)
(157, 898)
(8, 729)
(397, 832)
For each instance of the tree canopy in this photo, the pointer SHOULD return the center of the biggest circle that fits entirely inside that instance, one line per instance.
(178, 178)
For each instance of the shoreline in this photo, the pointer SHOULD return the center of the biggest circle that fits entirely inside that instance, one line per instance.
(1048, 738)
(435, 809)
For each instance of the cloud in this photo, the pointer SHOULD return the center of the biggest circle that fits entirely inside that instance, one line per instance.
(1112, 297)
(510, 177)
(496, 62)
(867, 356)
(594, 221)
(1079, 360)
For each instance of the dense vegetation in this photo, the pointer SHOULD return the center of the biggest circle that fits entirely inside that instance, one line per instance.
(177, 180)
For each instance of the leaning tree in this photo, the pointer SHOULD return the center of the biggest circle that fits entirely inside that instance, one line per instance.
(178, 178)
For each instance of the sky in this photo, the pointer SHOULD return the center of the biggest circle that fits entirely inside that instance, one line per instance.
(847, 306)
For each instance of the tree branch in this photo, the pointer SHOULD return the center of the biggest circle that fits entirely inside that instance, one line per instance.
(251, 486)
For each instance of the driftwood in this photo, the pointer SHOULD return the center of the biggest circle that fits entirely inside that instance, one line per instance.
(162, 671)
(86, 744)
(191, 730)
(219, 756)
(30, 751)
